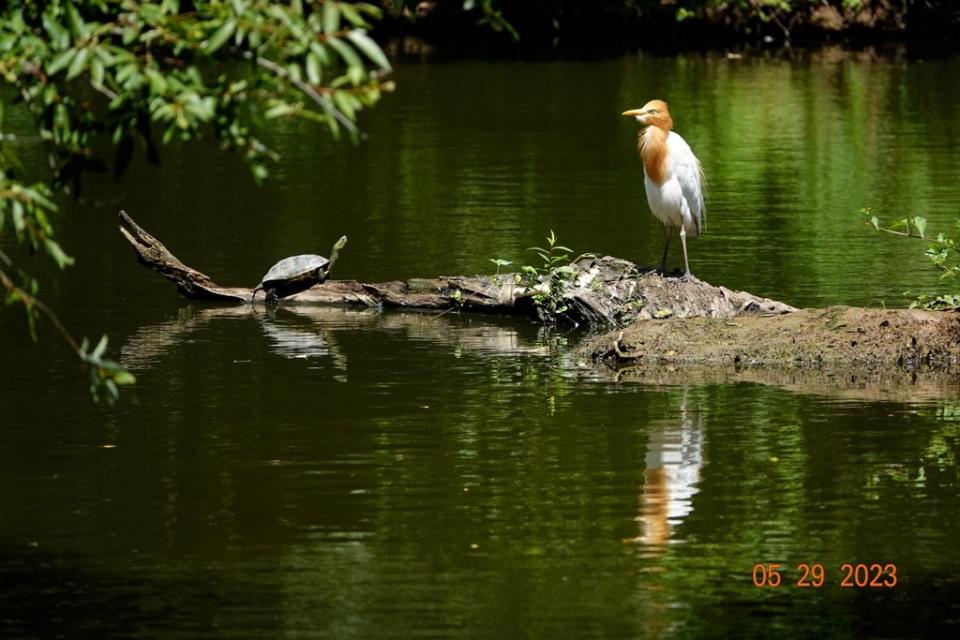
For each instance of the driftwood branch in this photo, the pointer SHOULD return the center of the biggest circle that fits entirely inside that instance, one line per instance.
(190, 282)
(602, 291)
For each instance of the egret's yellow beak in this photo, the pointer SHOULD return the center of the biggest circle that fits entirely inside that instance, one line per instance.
(633, 112)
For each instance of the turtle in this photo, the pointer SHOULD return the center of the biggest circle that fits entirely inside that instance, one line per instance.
(297, 273)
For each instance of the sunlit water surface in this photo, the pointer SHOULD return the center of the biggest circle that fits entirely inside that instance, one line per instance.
(357, 474)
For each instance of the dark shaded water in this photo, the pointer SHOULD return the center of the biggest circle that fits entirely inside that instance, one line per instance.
(334, 473)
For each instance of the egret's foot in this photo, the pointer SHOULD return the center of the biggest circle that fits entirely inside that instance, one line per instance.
(689, 277)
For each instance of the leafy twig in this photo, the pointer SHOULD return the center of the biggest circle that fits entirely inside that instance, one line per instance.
(307, 90)
(105, 375)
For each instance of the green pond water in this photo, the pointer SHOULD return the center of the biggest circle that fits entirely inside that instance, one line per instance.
(357, 474)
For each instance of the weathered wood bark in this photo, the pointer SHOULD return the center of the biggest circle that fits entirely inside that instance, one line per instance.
(190, 282)
(602, 291)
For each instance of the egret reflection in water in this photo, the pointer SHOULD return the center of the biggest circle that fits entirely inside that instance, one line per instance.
(673, 461)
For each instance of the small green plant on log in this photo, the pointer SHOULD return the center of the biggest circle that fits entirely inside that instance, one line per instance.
(943, 251)
(500, 262)
(548, 279)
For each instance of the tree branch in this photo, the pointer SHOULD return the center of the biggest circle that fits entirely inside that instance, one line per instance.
(309, 91)
(904, 234)
(30, 301)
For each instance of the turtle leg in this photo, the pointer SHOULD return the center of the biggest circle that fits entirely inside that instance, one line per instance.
(272, 298)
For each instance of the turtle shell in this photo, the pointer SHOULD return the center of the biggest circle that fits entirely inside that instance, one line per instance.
(295, 274)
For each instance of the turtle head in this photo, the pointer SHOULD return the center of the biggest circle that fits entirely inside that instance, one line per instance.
(335, 252)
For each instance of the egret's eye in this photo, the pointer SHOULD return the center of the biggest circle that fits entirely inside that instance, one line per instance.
(652, 111)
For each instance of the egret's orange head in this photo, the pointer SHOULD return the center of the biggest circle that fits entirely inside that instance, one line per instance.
(654, 113)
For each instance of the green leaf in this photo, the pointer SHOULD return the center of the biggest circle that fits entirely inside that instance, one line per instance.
(126, 71)
(322, 53)
(18, 222)
(59, 36)
(130, 34)
(158, 83)
(279, 110)
(369, 47)
(260, 172)
(331, 17)
(371, 10)
(355, 74)
(920, 224)
(112, 392)
(313, 68)
(124, 377)
(219, 38)
(97, 72)
(875, 222)
(294, 70)
(60, 62)
(40, 199)
(55, 251)
(345, 103)
(353, 15)
(99, 350)
(346, 52)
(79, 64)
(77, 27)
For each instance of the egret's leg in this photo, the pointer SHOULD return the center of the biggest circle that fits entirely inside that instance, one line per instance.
(686, 263)
(666, 245)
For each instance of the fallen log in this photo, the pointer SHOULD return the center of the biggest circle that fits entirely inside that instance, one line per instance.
(594, 292)
(658, 323)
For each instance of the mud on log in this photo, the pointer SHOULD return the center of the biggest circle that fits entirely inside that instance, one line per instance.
(830, 338)
(601, 292)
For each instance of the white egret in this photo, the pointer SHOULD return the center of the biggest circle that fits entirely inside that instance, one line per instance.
(672, 176)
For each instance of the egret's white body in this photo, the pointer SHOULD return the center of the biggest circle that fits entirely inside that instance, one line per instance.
(672, 176)
(678, 200)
